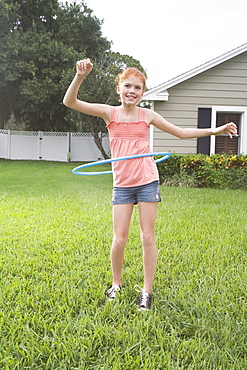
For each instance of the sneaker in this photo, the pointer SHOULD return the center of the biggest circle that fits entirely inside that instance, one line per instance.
(111, 293)
(145, 301)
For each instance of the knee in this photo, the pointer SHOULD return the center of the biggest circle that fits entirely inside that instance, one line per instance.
(148, 240)
(119, 241)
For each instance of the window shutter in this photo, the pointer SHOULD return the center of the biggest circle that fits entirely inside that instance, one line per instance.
(204, 121)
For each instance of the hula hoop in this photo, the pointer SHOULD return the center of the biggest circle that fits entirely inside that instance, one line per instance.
(76, 171)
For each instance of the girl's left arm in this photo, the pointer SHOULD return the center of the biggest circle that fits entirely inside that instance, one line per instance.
(188, 133)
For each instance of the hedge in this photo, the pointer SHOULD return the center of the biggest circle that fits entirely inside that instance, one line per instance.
(199, 170)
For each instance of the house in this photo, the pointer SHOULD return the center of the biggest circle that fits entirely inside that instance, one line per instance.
(207, 96)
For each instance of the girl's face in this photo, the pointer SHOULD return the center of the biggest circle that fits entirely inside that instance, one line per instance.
(131, 90)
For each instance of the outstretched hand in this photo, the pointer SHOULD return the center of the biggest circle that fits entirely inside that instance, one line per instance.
(84, 67)
(228, 129)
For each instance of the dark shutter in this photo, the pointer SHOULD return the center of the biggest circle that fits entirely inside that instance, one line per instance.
(204, 121)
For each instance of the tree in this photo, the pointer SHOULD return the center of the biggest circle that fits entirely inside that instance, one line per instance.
(40, 42)
(20, 24)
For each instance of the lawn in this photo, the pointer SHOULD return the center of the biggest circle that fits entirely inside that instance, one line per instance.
(56, 231)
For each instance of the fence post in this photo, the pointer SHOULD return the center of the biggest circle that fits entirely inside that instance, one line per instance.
(9, 144)
(39, 145)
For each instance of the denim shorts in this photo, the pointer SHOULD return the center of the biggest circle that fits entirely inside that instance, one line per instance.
(143, 193)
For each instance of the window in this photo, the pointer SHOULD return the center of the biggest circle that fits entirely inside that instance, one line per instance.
(222, 115)
(223, 143)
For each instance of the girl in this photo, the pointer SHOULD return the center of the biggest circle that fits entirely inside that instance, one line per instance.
(136, 181)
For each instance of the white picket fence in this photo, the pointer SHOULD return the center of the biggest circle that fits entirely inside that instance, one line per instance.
(50, 146)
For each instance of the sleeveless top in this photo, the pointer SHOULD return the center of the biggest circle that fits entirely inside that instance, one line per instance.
(129, 138)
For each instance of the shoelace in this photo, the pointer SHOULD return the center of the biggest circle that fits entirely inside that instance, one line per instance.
(138, 289)
(144, 299)
(113, 289)
(143, 302)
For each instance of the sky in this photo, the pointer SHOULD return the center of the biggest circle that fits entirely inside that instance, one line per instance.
(171, 37)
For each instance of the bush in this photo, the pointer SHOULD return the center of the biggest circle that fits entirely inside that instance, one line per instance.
(199, 170)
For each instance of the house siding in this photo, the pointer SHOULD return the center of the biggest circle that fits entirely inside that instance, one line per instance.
(222, 85)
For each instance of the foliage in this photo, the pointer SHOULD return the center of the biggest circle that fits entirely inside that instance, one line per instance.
(28, 52)
(55, 238)
(199, 170)
(40, 44)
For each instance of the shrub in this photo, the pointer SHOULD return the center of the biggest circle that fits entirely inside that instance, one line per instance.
(199, 170)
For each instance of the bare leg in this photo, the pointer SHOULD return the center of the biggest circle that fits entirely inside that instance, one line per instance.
(148, 213)
(121, 221)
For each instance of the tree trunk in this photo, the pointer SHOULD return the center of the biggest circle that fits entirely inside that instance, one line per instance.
(98, 140)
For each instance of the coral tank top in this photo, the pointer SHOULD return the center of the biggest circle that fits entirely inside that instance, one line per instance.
(129, 138)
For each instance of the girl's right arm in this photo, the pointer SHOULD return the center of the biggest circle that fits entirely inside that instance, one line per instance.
(83, 68)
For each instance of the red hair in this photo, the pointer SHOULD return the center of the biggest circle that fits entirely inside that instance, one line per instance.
(131, 72)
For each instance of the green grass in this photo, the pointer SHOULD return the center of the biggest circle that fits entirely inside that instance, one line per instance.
(56, 231)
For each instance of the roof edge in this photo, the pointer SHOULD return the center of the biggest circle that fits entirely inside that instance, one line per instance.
(156, 92)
